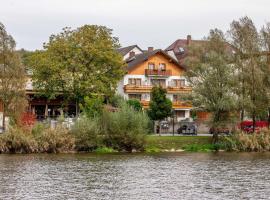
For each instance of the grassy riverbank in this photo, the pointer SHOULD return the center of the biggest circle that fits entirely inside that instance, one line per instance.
(188, 143)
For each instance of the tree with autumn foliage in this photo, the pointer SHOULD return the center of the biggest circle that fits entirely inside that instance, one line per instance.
(78, 63)
(12, 78)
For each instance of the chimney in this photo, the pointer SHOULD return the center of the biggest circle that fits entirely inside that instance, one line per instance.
(188, 39)
(131, 54)
(150, 49)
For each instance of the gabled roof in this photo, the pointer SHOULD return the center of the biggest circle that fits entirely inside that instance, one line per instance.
(140, 58)
(124, 50)
(184, 43)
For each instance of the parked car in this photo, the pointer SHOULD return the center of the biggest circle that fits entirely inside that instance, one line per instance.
(220, 130)
(187, 129)
(164, 125)
(247, 126)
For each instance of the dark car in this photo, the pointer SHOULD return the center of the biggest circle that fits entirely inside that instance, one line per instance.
(219, 130)
(164, 125)
(187, 129)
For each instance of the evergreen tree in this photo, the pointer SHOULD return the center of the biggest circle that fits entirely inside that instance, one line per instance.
(160, 107)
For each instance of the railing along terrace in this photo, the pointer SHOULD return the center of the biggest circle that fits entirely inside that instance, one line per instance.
(156, 72)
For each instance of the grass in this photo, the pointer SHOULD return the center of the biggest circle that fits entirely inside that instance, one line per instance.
(104, 150)
(188, 143)
(202, 147)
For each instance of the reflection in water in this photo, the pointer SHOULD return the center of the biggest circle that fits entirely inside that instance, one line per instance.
(135, 176)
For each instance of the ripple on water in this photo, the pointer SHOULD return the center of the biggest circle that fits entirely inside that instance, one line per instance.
(135, 176)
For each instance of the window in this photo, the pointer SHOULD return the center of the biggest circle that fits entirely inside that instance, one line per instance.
(181, 49)
(180, 113)
(182, 82)
(162, 67)
(151, 66)
(135, 96)
(134, 81)
(178, 82)
(158, 82)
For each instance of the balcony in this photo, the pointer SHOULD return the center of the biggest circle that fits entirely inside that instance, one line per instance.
(181, 105)
(137, 88)
(174, 88)
(145, 104)
(147, 89)
(156, 72)
(178, 89)
(175, 104)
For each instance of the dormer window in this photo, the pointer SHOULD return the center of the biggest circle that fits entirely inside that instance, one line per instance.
(151, 66)
(181, 50)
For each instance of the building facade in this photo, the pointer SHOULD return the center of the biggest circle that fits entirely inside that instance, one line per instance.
(146, 69)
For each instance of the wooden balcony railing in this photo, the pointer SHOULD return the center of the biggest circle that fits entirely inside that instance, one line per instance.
(147, 88)
(181, 104)
(175, 104)
(178, 89)
(156, 72)
(137, 88)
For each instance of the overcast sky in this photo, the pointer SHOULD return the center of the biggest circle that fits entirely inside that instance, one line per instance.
(155, 23)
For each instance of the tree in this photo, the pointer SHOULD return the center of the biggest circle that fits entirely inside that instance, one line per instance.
(135, 104)
(92, 107)
(12, 78)
(78, 63)
(211, 75)
(250, 68)
(160, 107)
(265, 34)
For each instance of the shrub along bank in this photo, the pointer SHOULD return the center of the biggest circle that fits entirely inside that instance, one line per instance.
(256, 142)
(40, 139)
(124, 130)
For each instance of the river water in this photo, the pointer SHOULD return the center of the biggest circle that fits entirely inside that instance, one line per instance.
(136, 176)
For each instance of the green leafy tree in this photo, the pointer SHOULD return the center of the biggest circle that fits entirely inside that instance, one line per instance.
(92, 107)
(211, 75)
(78, 63)
(265, 35)
(12, 78)
(160, 107)
(251, 68)
(135, 103)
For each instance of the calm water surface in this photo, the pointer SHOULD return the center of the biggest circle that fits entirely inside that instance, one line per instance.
(136, 176)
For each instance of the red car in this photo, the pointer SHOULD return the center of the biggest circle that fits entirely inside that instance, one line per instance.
(247, 126)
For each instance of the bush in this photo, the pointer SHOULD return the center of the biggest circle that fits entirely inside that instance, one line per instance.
(116, 100)
(135, 104)
(16, 140)
(125, 129)
(55, 140)
(40, 140)
(92, 106)
(241, 141)
(87, 134)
